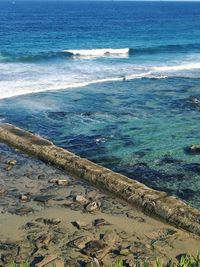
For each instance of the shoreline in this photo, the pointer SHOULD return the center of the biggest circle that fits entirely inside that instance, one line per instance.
(152, 202)
(60, 215)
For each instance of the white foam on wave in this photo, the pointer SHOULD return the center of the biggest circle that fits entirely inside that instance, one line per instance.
(102, 52)
(20, 78)
(178, 67)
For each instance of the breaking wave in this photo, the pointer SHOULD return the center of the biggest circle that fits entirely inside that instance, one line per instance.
(99, 52)
(95, 53)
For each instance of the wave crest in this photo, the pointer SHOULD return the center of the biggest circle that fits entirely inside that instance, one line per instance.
(102, 52)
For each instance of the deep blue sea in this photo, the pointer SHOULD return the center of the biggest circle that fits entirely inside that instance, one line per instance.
(116, 82)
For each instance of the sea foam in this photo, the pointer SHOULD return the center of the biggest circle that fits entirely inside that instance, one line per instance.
(99, 52)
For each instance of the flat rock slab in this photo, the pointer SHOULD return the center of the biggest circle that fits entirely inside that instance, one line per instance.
(50, 261)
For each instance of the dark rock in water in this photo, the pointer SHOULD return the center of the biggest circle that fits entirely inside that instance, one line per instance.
(21, 211)
(137, 218)
(141, 165)
(54, 221)
(195, 100)
(24, 198)
(161, 234)
(191, 103)
(192, 167)
(8, 168)
(12, 162)
(58, 181)
(9, 251)
(140, 153)
(193, 149)
(82, 225)
(186, 193)
(3, 190)
(169, 160)
(41, 177)
(92, 206)
(100, 222)
(7, 245)
(81, 200)
(43, 198)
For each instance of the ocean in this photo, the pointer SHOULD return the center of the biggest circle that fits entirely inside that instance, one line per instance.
(115, 82)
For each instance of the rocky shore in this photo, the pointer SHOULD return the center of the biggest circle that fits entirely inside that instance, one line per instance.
(47, 215)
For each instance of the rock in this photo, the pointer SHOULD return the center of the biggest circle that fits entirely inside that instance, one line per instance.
(137, 218)
(80, 242)
(96, 248)
(49, 261)
(160, 234)
(54, 221)
(43, 241)
(194, 149)
(131, 262)
(43, 198)
(41, 177)
(124, 235)
(12, 162)
(169, 160)
(81, 200)
(124, 252)
(94, 263)
(21, 211)
(82, 225)
(8, 168)
(3, 190)
(192, 167)
(195, 100)
(53, 181)
(58, 181)
(100, 248)
(7, 245)
(99, 222)
(23, 198)
(62, 182)
(109, 237)
(93, 206)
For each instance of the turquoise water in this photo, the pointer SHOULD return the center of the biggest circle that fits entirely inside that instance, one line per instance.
(131, 110)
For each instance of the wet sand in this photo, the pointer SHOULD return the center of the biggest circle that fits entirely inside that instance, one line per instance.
(23, 224)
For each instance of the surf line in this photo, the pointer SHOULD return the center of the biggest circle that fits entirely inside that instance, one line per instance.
(153, 202)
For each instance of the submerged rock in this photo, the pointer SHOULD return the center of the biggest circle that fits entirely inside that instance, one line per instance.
(54, 221)
(160, 234)
(100, 222)
(3, 190)
(24, 198)
(43, 198)
(81, 200)
(93, 206)
(21, 211)
(194, 149)
(12, 162)
(58, 181)
(82, 225)
(192, 167)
